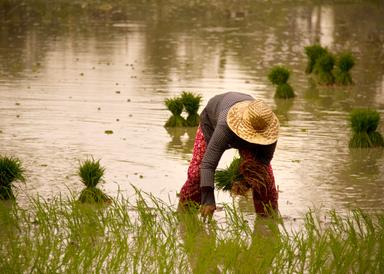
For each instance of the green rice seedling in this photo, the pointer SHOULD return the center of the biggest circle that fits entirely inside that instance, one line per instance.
(175, 106)
(344, 64)
(10, 171)
(225, 178)
(313, 53)
(93, 195)
(323, 69)
(284, 91)
(191, 104)
(364, 123)
(279, 76)
(364, 120)
(91, 174)
(145, 235)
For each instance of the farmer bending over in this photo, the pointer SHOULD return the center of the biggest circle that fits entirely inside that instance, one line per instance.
(233, 120)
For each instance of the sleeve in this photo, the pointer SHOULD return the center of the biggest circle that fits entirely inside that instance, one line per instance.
(215, 149)
(207, 195)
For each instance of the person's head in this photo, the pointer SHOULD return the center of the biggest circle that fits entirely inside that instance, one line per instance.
(254, 122)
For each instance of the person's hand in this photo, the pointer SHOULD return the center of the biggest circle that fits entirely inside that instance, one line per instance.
(206, 211)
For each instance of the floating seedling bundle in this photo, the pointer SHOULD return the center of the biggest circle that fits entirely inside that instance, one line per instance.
(189, 102)
(279, 76)
(324, 67)
(364, 123)
(328, 68)
(10, 171)
(344, 64)
(91, 174)
(175, 106)
(313, 53)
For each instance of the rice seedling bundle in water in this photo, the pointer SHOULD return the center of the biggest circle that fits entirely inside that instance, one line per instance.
(323, 69)
(191, 103)
(91, 174)
(93, 195)
(175, 106)
(344, 64)
(364, 123)
(279, 76)
(313, 53)
(284, 91)
(10, 171)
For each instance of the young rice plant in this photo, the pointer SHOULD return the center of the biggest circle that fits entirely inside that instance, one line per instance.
(10, 171)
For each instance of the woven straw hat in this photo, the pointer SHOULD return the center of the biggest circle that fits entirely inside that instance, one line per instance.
(254, 121)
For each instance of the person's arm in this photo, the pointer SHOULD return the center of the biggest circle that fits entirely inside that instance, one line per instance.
(215, 149)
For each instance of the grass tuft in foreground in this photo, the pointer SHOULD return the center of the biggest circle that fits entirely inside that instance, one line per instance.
(10, 171)
(145, 235)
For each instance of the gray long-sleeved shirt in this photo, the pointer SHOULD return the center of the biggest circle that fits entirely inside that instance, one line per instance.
(219, 137)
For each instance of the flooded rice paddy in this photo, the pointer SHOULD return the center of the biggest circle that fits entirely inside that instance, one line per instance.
(62, 89)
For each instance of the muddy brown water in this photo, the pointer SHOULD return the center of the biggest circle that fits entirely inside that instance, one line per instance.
(61, 90)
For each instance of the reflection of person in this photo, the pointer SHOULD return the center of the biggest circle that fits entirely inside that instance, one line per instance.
(233, 120)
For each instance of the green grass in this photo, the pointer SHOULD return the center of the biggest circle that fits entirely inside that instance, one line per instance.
(10, 171)
(146, 235)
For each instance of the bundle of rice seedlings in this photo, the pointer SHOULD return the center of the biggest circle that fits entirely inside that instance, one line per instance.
(10, 171)
(323, 69)
(191, 104)
(344, 64)
(224, 178)
(175, 106)
(284, 91)
(91, 174)
(364, 123)
(93, 195)
(313, 52)
(279, 76)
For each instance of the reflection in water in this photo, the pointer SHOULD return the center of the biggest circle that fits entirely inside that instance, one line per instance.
(182, 141)
(62, 84)
(361, 178)
(283, 106)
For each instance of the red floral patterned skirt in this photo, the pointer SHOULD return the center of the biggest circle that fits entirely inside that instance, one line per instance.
(190, 191)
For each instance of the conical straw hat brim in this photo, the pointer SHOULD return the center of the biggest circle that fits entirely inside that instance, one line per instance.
(242, 127)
